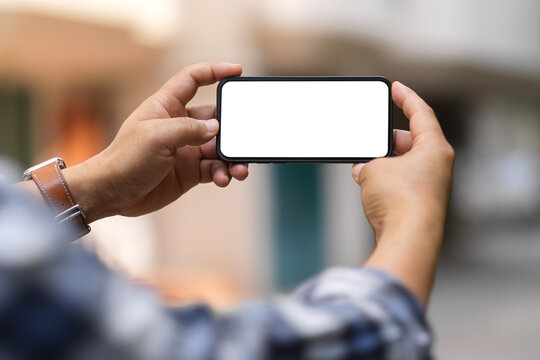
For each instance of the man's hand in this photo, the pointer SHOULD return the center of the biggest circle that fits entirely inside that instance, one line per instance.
(161, 151)
(405, 197)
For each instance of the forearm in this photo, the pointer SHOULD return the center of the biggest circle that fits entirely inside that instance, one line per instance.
(409, 249)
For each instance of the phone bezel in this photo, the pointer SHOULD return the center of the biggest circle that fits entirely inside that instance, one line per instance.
(303, 159)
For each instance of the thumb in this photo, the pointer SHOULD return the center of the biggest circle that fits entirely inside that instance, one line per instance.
(423, 122)
(181, 131)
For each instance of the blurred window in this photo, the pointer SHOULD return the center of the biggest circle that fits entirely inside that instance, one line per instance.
(15, 112)
(83, 123)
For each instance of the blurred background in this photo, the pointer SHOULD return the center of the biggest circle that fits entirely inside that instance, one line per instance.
(72, 71)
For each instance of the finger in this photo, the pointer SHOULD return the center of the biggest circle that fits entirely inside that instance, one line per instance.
(423, 121)
(183, 86)
(402, 141)
(216, 171)
(220, 173)
(202, 112)
(238, 171)
(208, 150)
(177, 132)
(205, 168)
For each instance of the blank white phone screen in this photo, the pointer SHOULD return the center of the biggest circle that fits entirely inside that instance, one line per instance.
(304, 119)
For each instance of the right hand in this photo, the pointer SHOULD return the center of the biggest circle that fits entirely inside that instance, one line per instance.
(416, 185)
(162, 150)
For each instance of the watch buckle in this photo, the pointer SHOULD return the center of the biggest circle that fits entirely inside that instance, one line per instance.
(69, 214)
(28, 172)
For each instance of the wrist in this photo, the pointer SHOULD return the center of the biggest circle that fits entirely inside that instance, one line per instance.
(408, 247)
(423, 222)
(88, 185)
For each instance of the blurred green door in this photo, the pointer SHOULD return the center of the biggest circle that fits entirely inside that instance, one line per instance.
(298, 223)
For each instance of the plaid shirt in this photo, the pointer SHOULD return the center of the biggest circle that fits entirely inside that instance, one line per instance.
(59, 301)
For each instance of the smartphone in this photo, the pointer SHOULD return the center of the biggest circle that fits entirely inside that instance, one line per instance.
(304, 119)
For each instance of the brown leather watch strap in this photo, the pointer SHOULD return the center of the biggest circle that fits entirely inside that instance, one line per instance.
(50, 181)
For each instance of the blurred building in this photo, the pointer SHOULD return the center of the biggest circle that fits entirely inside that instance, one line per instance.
(70, 72)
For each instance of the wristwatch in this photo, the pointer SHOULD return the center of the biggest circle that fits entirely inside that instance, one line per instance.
(50, 181)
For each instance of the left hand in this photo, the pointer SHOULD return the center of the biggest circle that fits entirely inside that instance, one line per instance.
(160, 152)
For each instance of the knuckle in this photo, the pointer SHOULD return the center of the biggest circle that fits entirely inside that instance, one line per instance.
(187, 125)
(192, 127)
(428, 111)
(448, 152)
(189, 68)
(146, 130)
(157, 98)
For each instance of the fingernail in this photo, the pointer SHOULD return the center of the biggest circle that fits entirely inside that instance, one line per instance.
(356, 171)
(401, 84)
(212, 125)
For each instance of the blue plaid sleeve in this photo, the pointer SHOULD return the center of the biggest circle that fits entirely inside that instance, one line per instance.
(60, 302)
(344, 313)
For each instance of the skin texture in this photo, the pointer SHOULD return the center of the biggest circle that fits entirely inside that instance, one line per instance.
(405, 197)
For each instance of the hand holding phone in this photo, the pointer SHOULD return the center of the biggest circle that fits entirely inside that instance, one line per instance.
(304, 119)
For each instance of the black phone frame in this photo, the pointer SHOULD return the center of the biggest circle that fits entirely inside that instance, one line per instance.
(303, 159)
